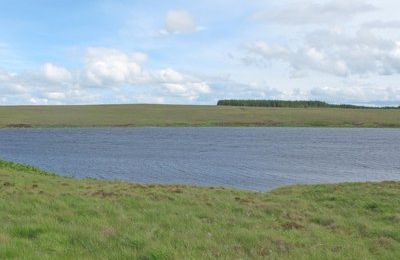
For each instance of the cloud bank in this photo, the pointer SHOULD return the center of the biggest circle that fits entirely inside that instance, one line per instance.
(107, 70)
(334, 52)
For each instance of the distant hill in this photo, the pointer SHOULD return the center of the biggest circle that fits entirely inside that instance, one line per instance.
(288, 103)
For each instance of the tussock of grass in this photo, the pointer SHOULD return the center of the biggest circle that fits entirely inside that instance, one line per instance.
(22, 167)
(47, 216)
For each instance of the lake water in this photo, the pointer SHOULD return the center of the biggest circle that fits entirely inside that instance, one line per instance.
(247, 158)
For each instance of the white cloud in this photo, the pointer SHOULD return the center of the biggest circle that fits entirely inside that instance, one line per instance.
(140, 57)
(300, 13)
(38, 101)
(190, 90)
(56, 73)
(182, 85)
(269, 51)
(56, 95)
(378, 24)
(169, 75)
(4, 76)
(361, 94)
(179, 21)
(110, 66)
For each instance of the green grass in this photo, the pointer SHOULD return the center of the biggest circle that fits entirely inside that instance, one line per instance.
(175, 115)
(44, 216)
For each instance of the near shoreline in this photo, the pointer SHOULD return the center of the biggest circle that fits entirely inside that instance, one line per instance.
(49, 216)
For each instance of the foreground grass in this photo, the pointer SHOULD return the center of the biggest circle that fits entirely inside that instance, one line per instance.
(174, 115)
(47, 216)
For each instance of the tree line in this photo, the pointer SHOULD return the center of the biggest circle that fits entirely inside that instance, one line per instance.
(287, 103)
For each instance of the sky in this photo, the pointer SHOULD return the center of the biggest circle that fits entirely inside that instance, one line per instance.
(197, 52)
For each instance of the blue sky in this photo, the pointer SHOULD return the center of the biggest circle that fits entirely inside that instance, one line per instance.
(196, 52)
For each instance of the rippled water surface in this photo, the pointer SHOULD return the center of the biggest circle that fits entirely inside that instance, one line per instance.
(247, 158)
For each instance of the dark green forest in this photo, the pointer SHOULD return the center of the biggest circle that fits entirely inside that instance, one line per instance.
(289, 103)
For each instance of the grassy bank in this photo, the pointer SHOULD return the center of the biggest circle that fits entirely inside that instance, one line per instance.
(47, 216)
(174, 115)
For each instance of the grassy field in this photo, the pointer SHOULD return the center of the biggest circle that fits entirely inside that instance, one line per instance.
(175, 115)
(45, 216)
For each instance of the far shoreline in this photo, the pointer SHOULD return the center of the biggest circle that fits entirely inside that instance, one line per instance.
(148, 115)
